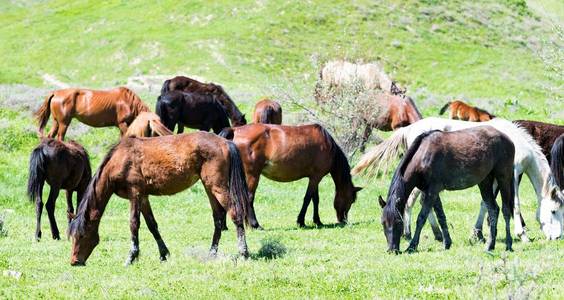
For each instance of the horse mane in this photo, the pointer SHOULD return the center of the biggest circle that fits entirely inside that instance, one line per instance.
(398, 185)
(224, 116)
(78, 225)
(166, 87)
(340, 169)
(137, 104)
(557, 161)
(219, 90)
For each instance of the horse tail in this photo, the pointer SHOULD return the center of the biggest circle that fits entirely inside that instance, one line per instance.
(42, 115)
(166, 87)
(267, 115)
(557, 161)
(37, 172)
(383, 153)
(78, 224)
(238, 190)
(227, 133)
(444, 108)
(158, 128)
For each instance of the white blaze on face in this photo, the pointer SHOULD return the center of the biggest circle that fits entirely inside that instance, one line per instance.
(551, 218)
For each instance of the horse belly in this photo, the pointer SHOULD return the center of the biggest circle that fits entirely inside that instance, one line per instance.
(171, 185)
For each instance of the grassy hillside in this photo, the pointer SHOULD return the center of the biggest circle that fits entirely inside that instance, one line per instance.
(483, 51)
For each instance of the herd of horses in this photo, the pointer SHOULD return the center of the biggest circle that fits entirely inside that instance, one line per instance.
(438, 154)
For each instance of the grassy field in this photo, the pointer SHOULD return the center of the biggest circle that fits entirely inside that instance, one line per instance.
(485, 51)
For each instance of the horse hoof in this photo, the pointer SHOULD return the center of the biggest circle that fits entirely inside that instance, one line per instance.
(407, 237)
(448, 244)
(301, 224)
(318, 224)
(224, 228)
(524, 238)
(56, 237)
(410, 250)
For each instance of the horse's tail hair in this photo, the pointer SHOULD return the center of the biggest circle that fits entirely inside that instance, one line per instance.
(78, 225)
(382, 154)
(42, 115)
(227, 133)
(444, 108)
(166, 87)
(238, 190)
(158, 128)
(557, 161)
(267, 115)
(37, 173)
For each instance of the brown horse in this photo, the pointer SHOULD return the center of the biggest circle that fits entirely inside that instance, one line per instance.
(63, 166)
(147, 124)
(545, 134)
(455, 160)
(267, 112)
(289, 153)
(117, 107)
(462, 111)
(186, 84)
(138, 167)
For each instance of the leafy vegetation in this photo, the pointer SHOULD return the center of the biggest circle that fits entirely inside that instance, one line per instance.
(483, 51)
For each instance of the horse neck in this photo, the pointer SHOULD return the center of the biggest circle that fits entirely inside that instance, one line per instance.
(541, 177)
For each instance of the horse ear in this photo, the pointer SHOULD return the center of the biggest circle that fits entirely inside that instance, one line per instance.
(381, 201)
(357, 189)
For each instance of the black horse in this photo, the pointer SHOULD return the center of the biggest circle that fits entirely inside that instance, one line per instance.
(193, 110)
(63, 165)
(455, 160)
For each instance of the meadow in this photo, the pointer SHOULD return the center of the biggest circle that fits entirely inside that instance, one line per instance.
(495, 54)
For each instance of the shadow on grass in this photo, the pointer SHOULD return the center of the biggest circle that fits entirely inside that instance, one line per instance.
(324, 226)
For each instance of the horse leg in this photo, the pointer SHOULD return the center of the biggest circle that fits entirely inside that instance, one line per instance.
(252, 183)
(427, 204)
(315, 200)
(307, 199)
(38, 212)
(365, 136)
(438, 207)
(519, 227)
(478, 226)
(435, 226)
(54, 129)
(180, 128)
(70, 207)
(50, 206)
(493, 209)
(62, 130)
(134, 220)
(505, 189)
(407, 213)
(147, 212)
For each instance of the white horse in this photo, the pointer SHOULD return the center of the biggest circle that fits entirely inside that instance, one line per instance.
(529, 159)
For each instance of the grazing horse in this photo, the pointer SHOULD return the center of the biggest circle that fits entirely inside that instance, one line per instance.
(186, 84)
(117, 107)
(545, 134)
(528, 159)
(464, 112)
(147, 124)
(457, 160)
(199, 111)
(267, 112)
(557, 160)
(288, 153)
(63, 166)
(138, 167)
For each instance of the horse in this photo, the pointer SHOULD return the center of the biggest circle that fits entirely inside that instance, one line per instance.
(138, 167)
(462, 111)
(147, 124)
(63, 166)
(457, 160)
(557, 160)
(267, 112)
(97, 108)
(186, 84)
(545, 134)
(528, 159)
(199, 111)
(288, 153)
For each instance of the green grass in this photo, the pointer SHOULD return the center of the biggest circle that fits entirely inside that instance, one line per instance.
(258, 48)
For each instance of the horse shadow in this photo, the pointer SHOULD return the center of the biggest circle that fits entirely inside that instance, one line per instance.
(324, 226)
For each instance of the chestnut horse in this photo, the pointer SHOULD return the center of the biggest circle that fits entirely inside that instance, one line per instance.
(288, 153)
(545, 134)
(63, 166)
(456, 160)
(147, 124)
(193, 110)
(267, 112)
(138, 167)
(462, 111)
(186, 84)
(117, 107)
